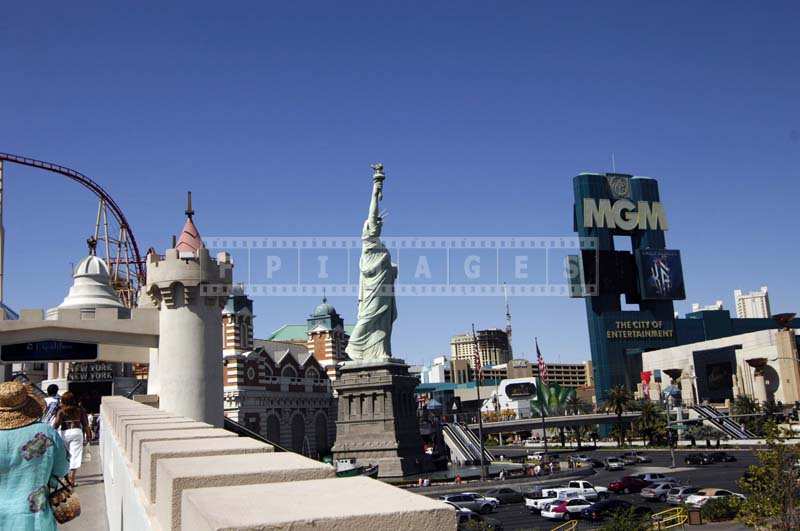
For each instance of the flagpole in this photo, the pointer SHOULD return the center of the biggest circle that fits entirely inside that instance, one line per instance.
(479, 369)
(540, 361)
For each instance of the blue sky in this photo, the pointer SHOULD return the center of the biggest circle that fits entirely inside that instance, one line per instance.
(482, 113)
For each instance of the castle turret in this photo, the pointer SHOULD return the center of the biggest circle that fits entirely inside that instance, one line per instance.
(189, 288)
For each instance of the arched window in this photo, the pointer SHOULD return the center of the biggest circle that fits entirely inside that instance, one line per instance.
(298, 432)
(321, 434)
(273, 429)
(289, 372)
(312, 374)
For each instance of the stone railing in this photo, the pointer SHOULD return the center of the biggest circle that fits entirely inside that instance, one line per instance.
(164, 472)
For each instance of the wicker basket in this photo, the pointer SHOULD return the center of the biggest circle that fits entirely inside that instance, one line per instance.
(65, 502)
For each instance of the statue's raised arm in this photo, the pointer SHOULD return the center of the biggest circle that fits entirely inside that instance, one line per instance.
(377, 191)
(371, 337)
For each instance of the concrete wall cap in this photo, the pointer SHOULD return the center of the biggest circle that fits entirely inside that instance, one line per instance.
(342, 503)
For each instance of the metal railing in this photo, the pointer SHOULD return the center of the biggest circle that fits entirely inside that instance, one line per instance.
(674, 517)
(569, 525)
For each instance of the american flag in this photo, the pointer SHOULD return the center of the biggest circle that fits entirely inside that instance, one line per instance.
(540, 361)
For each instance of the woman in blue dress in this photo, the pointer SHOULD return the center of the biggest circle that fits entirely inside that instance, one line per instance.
(31, 452)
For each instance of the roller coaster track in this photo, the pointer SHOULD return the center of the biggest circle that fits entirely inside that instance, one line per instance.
(136, 259)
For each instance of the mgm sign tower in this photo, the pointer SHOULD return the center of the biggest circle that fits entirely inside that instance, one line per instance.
(621, 223)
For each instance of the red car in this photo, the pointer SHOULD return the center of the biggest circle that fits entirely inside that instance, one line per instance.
(628, 484)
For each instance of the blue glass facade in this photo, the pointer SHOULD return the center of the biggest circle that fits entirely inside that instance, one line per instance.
(647, 274)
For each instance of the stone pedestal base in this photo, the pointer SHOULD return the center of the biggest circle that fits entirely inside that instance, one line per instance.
(377, 417)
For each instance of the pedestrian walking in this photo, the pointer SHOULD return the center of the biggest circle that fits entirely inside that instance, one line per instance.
(51, 401)
(71, 419)
(31, 452)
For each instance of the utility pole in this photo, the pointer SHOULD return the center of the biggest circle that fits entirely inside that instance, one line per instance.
(478, 372)
(672, 438)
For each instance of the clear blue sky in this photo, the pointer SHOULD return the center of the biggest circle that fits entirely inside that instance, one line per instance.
(482, 112)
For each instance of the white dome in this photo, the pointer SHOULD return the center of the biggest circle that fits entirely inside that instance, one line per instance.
(91, 286)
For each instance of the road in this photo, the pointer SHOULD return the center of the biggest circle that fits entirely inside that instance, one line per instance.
(722, 475)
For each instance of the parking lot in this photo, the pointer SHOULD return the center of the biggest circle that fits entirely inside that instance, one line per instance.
(722, 475)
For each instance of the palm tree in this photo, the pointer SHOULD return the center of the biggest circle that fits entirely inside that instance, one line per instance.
(745, 405)
(617, 402)
(576, 406)
(651, 422)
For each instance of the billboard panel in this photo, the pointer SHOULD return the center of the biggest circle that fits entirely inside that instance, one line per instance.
(660, 274)
(48, 351)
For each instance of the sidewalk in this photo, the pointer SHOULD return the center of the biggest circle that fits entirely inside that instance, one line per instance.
(93, 502)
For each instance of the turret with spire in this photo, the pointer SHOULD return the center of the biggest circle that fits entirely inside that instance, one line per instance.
(189, 289)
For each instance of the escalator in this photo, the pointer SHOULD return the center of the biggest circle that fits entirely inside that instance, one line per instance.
(464, 445)
(723, 423)
(476, 444)
(459, 453)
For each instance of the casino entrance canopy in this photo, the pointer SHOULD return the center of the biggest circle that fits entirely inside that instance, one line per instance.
(102, 334)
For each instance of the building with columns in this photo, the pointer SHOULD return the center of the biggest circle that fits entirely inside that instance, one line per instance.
(277, 389)
(763, 365)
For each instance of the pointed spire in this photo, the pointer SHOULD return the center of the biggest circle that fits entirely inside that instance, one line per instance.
(189, 211)
(189, 240)
(324, 296)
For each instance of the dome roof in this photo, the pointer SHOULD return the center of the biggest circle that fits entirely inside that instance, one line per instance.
(91, 286)
(324, 309)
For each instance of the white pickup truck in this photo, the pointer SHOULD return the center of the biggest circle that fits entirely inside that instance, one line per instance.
(574, 489)
(586, 490)
(548, 496)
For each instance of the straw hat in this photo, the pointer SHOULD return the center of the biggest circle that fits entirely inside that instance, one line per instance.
(19, 405)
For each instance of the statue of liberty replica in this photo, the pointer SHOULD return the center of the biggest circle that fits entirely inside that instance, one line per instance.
(376, 421)
(371, 339)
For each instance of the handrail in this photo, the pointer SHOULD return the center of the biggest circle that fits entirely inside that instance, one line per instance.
(244, 431)
(569, 525)
(130, 393)
(674, 517)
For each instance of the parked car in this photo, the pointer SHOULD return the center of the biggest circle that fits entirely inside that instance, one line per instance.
(655, 476)
(494, 501)
(677, 495)
(565, 509)
(657, 491)
(602, 509)
(581, 458)
(722, 457)
(505, 495)
(585, 489)
(596, 463)
(628, 484)
(469, 501)
(699, 498)
(632, 458)
(614, 463)
(698, 459)
(548, 496)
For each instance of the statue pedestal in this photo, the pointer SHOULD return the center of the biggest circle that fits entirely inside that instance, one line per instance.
(377, 419)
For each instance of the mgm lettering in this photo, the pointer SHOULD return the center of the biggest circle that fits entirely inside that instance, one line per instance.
(623, 214)
(640, 330)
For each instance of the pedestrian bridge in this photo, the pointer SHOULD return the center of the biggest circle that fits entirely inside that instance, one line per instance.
(563, 421)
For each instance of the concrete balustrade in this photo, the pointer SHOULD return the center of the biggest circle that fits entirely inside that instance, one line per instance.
(352, 504)
(154, 452)
(166, 472)
(200, 436)
(177, 475)
(177, 423)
